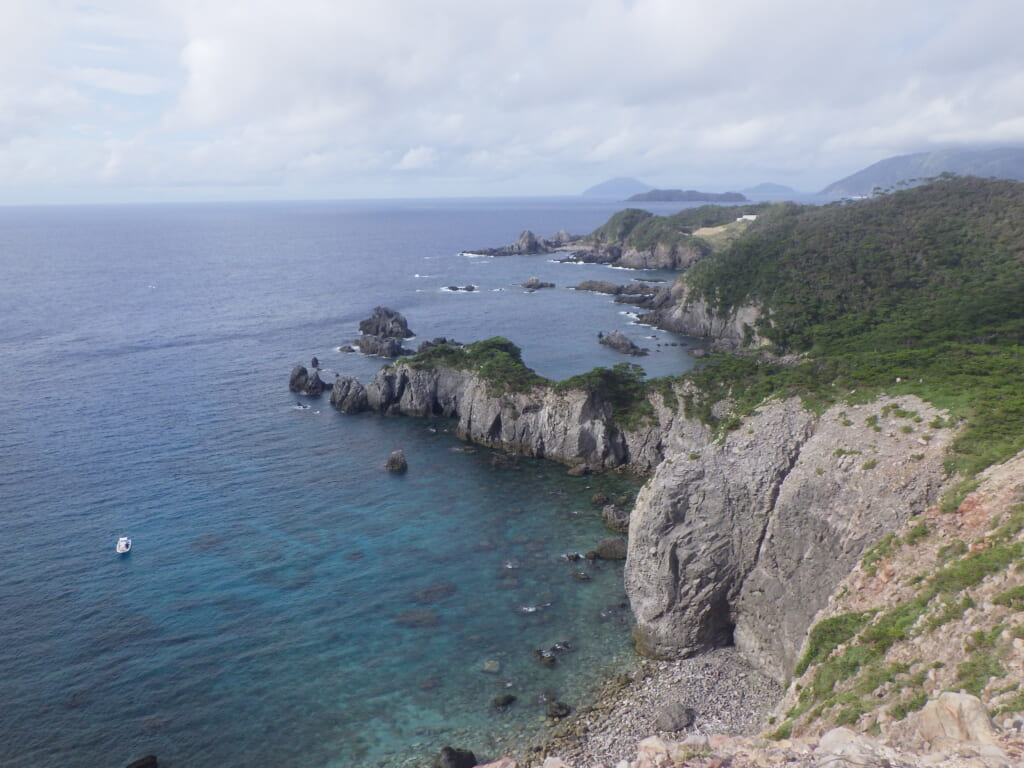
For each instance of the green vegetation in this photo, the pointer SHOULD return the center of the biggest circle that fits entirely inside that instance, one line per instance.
(623, 386)
(635, 228)
(827, 635)
(497, 360)
(913, 292)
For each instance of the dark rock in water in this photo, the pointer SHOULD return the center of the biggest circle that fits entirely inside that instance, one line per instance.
(535, 283)
(381, 346)
(546, 657)
(385, 322)
(674, 717)
(621, 343)
(612, 548)
(503, 702)
(149, 761)
(558, 709)
(616, 518)
(469, 288)
(301, 381)
(418, 618)
(599, 499)
(581, 576)
(435, 592)
(396, 462)
(348, 395)
(455, 758)
(314, 363)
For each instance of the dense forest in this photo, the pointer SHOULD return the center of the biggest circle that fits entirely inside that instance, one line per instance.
(918, 291)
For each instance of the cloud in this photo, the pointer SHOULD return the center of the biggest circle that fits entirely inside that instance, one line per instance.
(679, 92)
(417, 159)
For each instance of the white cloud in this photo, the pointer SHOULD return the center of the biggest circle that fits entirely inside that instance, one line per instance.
(677, 91)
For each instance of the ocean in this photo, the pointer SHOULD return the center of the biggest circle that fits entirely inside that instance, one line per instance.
(286, 601)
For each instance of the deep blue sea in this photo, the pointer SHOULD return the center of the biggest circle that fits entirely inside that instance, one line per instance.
(286, 602)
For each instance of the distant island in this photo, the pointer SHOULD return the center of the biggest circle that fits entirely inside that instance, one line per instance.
(686, 196)
(915, 169)
(618, 188)
(768, 189)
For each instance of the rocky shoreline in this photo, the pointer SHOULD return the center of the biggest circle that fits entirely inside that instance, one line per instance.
(725, 693)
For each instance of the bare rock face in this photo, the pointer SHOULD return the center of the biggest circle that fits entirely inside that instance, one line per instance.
(954, 717)
(676, 310)
(620, 342)
(747, 537)
(396, 462)
(386, 323)
(304, 382)
(348, 395)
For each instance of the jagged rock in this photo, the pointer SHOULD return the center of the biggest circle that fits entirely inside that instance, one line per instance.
(303, 382)
(955, 716)
(615, 518)
(385, 322)
(674, 717)
(314, 363)
(149, 761)
(450, 757)
(381, 346)
(535, 283)
(349, 395)
(618, 341)
(842, 748)
(748, 543)
(612, 548)
(396, 462)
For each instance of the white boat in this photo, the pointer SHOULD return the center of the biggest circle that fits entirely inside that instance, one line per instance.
(124, 545)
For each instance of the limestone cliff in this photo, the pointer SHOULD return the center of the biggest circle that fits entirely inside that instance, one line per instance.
(573, 427)
(674, 308)
(748, 535)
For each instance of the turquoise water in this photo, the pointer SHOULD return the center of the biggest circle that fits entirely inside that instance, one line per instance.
(286, 601)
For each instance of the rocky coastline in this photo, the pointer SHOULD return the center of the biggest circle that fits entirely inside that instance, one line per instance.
(735, 545)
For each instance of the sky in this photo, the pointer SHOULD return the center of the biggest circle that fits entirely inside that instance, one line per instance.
(176, 100)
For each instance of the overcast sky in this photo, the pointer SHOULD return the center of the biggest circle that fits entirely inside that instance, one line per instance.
(122, 100)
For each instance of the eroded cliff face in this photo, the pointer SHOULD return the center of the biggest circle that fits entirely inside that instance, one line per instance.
(740, 537)
(747, 536)
(573, 428)
(675, 309)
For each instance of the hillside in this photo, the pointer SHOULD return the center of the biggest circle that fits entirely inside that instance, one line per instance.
(1003, 163)
(919, 291)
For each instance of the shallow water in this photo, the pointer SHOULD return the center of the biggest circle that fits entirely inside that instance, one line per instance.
(286, 601)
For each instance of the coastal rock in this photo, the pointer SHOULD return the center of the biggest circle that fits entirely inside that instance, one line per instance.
(440, 341)
(612, 548)
(396, 462)
(385, 322)
(676, 308)
(503, 702)
(535, 283)
(381, 346)
(674, 717)
(618, 341)
(558, 709)
(348, 395)
(303, 382)
(450, 757)
(615, 518)
(748, 543)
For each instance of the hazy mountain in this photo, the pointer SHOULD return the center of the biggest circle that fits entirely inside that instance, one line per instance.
(770, 190)
(618, 188)
(686, 196)
(1003, 163)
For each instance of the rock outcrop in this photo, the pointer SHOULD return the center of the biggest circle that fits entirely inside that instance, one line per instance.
(304, 382)
(674, 308)
(573, 427)
(620, 342)
(745, 538)
(383, 333)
